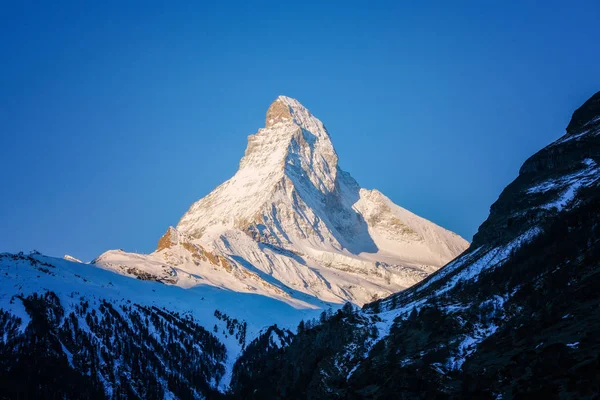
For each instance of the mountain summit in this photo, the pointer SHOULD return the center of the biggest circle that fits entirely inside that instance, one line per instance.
(279, 111)
(291, 224)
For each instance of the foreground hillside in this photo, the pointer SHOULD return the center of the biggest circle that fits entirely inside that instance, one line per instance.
(73, 330)
(515, 316)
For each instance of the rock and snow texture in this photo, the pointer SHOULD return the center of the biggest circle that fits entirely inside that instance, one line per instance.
(291, 224)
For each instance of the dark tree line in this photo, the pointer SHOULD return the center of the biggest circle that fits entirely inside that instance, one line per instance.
(125, 351)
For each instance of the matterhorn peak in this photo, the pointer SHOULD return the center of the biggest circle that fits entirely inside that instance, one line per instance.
(291, 221)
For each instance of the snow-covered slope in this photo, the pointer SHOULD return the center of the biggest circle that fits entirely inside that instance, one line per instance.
(291, 224)
(83, 291)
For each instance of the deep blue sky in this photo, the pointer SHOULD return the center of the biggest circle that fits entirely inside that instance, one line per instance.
(115, 117)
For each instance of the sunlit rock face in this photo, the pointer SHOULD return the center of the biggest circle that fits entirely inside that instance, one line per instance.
(279, 111)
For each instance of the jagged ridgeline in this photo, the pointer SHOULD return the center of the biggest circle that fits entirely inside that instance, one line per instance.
(515, 316)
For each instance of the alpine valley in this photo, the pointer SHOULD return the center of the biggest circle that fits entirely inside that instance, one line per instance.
(243, 298)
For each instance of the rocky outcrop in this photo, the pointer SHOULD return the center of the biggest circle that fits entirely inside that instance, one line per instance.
(167, 240)
(585, 117)
(277, 112)
(173, 238)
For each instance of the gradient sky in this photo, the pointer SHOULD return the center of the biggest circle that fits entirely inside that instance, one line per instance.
(115, 117)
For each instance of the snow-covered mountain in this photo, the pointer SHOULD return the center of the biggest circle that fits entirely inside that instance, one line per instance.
(279, 242)
(291, 224)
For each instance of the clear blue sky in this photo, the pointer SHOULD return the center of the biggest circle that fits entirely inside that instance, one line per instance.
(116, 116)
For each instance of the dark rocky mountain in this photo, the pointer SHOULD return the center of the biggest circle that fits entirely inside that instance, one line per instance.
(517, 315)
